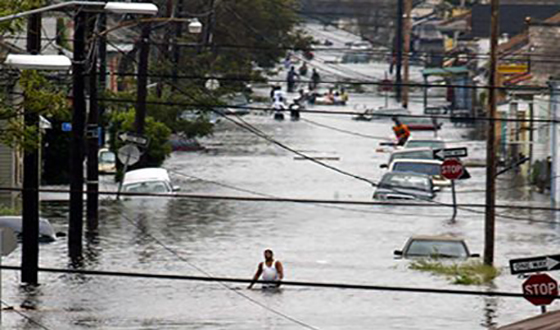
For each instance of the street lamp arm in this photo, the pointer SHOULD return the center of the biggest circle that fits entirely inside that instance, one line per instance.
(51, 8)
(116, 7)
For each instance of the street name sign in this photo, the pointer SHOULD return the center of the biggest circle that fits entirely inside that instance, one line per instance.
(451, 169)
(450, 153)
(534, 264)
(540, 289)
(134, 138)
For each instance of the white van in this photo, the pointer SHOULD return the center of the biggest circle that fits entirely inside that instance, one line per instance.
(148, 180)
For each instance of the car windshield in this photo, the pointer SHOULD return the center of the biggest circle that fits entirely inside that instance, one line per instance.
(419, 154)
(434, 144)
(147, 187)
(427, 248)
(422, 168)
(107, 157)
(394, 180)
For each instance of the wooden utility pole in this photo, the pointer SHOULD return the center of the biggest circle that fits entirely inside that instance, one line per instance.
(407, 31)
(30, 209)
(490, 218)
(92, 203)
(75, 227)
(399, 51)
(142, 81)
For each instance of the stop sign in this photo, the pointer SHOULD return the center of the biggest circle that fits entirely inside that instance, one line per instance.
(451, 169)
(540, 285)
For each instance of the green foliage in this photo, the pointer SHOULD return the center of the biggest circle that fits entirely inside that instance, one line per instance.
(159, 147)
(9, 211)
(10, 7)
(259, 32)
(467, 273)
(163, 110)
(39, 97)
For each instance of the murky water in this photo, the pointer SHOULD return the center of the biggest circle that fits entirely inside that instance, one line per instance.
(316, 243)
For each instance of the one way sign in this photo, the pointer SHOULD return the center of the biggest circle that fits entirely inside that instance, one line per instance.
(535, 264)
(450, 153)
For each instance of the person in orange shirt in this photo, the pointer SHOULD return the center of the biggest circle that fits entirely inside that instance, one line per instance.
(401, 131)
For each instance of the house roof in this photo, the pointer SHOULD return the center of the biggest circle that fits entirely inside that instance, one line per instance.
(548, 321)
(516, 15)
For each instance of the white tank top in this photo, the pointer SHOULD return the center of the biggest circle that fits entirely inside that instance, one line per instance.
(269, 273)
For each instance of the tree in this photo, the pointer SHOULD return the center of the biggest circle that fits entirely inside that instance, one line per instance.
(39, 96)
(157, 133)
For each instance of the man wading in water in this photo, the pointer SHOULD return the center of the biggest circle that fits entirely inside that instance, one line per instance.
(270, 270)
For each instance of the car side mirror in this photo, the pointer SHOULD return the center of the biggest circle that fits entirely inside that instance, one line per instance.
(397, 253)
(383, 166)
(475, 255)
(176, 188)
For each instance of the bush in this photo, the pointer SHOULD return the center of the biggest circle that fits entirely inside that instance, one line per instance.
(467, 273)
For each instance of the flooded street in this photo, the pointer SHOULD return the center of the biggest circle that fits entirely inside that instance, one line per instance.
(319, 243)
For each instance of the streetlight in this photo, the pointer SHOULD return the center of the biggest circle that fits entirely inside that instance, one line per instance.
(195, 27)
(38, 62)
(30, 194)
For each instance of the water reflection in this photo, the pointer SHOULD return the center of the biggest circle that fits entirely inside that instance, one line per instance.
(490, 312)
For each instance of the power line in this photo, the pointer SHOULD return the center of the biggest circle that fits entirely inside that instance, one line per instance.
(296, 200)
(210, 276)
(324, 285)
(28, 318)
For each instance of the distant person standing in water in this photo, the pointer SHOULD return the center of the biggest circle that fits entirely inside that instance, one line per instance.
(271, 270)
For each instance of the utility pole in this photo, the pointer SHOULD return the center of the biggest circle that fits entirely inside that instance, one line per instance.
(30, 209)
(178, 35)
(407, 32)
(490, 215)
(92, 213)
(555, 155)
(399, 44)
(142, 79)
(209, 26)
(75, 227)
(102, 49)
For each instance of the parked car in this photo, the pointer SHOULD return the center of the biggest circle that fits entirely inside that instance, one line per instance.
(201, 116)
(397, 185)
(107, 161)
(421, 124)
(14, 222)
(237, 103)
(148, 180)
(435, 247)
(412, 153)
(424, 143)
(421, 166)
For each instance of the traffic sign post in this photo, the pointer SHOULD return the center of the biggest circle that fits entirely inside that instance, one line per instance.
(452, 169)
(540, 290)
(128, 154)
(534, 264)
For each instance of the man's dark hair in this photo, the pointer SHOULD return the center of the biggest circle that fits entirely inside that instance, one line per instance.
(269, 250)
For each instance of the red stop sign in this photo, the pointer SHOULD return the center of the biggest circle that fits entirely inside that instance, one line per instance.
(540, 285)
(451, 169)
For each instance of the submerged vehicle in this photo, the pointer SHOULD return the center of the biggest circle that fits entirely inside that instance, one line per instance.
(397, 185)
(15, 222)
(148, 180)
(435, 247)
